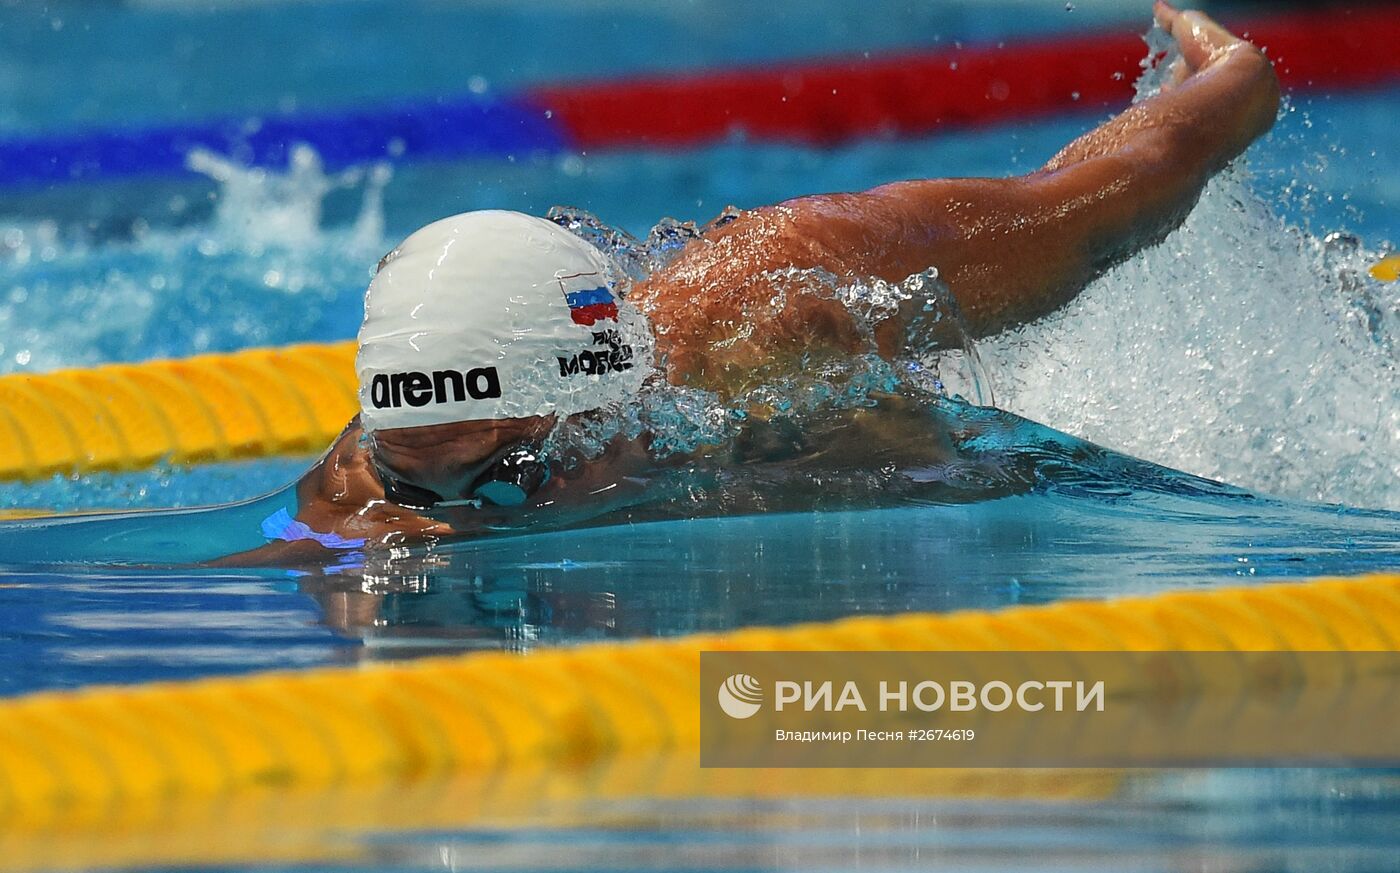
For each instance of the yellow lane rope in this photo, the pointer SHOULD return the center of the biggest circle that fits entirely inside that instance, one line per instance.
(270, 826)
(81, 755)
(247, 404)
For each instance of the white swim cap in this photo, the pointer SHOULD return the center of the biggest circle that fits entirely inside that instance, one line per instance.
(495, 314)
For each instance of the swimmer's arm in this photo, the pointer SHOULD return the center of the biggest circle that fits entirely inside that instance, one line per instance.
(336, 508)
(279, 553)
(1012, 250)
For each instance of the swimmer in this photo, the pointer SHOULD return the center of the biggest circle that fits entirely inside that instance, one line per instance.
(484, 331)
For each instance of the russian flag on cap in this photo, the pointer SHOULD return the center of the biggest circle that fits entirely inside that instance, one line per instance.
(588, 307)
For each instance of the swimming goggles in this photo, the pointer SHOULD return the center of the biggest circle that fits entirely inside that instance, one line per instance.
(507, 478)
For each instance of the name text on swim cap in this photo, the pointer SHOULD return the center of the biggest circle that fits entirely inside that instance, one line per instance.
(614, 356)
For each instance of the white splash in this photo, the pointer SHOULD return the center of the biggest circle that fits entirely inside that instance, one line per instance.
(267, 269)
(260, 207)
(1241, 349)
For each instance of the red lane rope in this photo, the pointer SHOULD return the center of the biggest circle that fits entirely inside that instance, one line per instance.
(830, 101)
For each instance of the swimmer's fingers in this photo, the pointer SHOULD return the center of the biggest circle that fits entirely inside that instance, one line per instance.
(1166, 16)
(1165, 13)
(1200, 38)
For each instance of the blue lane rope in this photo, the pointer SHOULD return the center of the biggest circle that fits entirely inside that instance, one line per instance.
(909, 93)
(457, 127)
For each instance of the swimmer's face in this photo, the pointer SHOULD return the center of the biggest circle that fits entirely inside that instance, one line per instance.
(447, 459)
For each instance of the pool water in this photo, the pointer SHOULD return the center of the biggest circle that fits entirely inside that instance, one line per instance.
(1246, 349)
(66, 626)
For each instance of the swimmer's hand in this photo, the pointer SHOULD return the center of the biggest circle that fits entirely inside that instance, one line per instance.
(1206, 46)
(1201, 39)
